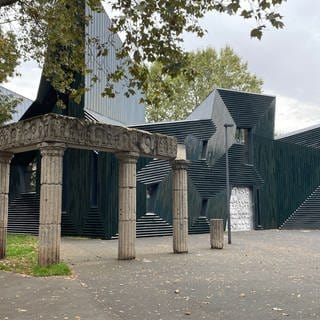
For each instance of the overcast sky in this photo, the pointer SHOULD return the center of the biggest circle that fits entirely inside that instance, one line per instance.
(287, 60)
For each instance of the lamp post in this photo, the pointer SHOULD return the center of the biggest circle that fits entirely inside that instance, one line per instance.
(226, 126)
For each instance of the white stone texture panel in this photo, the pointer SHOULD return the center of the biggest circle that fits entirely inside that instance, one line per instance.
(241, 209)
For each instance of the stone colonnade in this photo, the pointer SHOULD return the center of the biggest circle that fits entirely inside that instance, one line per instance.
(127, 206)
(51, 199)
(52, 134)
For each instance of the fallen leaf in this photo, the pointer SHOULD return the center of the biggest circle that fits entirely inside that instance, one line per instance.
(276, 309)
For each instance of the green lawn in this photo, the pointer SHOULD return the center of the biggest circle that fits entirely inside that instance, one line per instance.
(22, 255)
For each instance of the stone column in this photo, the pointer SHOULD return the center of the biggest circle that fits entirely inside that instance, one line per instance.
(180, 206)
(50, 203)
(216, 233)
(127, 205)
(5, 159)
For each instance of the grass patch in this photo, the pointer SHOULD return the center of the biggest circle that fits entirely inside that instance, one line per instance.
(22, 256)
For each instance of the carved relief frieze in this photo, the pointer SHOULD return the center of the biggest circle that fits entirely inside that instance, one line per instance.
(82, 133)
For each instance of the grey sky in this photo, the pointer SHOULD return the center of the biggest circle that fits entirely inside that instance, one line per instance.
(287, 60)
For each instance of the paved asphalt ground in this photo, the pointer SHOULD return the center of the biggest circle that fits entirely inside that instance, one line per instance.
(263, 275)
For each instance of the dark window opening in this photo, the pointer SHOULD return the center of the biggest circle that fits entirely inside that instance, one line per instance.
(241, 135)
(244, 136)
(65, 184)
(151, 196)
(31, 176)
(94, 180)
(204, 149)
(204, 206)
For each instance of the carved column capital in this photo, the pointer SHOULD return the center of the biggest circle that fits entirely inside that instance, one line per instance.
(6, 157)
(180, 164)
(128, 157)
(52, 149)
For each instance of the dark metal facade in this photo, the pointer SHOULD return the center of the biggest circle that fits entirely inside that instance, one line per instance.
(206, 152)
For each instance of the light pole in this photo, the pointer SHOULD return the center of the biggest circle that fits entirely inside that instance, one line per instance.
(226, 126)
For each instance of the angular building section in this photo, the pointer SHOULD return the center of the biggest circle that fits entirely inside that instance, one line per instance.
(307, 214)
(203, 133)
(22, 106)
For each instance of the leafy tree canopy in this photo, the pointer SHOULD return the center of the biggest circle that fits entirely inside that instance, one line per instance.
(173, 98)
(54, 31)
(8, 104)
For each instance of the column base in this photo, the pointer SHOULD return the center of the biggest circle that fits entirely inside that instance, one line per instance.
(49, 244)
(3, 242)
(126, 242)
(180, 235)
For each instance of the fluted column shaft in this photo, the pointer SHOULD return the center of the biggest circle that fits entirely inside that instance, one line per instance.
(127, 205)
(180, 206)
(5, 159)
(50, 203)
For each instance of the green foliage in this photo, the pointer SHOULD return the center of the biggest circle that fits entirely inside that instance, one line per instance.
(59, 269)
(8, 104)
(22, 258)
(9, 55)
(153, 29)
(173, 98)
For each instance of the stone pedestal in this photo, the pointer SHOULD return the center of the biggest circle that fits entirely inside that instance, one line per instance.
(216, 233)
(5, 159)
(127, 205)
(180, 206)
(50, 203)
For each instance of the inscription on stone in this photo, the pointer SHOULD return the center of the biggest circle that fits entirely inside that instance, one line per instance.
(241, 209)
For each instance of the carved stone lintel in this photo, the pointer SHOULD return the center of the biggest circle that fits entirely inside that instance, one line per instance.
(84, 134)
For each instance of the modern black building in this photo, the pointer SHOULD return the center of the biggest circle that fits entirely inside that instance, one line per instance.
(203, 133)
(275, 183)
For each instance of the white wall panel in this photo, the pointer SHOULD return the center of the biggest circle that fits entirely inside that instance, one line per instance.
(241, 209)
